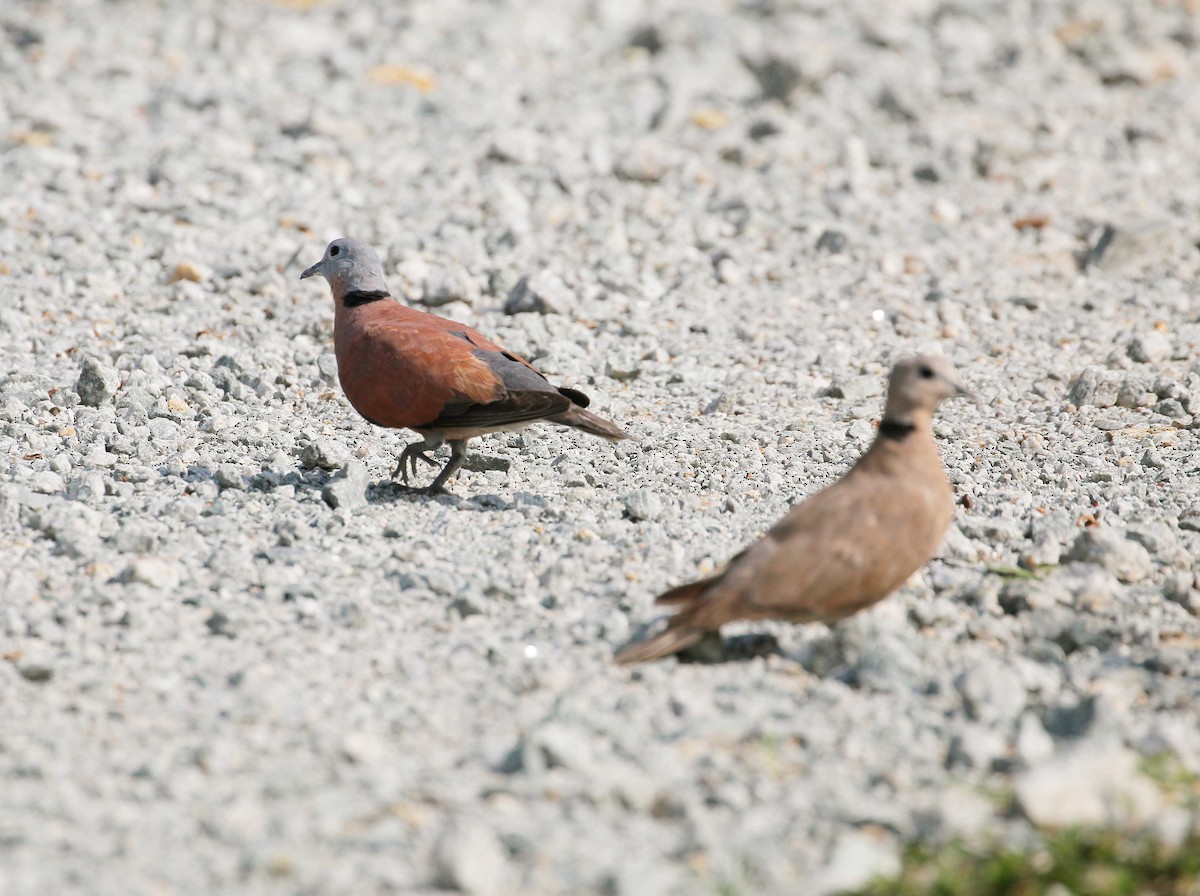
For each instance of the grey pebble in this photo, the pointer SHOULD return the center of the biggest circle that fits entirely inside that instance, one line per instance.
(1150, 347)
(97, 383)
(542, 292)
(324, 454)
(35, 670)
(347, 490)
(327, 365)
(229, 476)
(1092, 785)
(643, 505)
(1110, 549)
(470, 859)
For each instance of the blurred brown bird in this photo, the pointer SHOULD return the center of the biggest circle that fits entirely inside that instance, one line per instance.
(408, 369)
(844, 548)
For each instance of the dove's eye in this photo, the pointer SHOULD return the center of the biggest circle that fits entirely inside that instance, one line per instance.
(925, 373)
(334, 251)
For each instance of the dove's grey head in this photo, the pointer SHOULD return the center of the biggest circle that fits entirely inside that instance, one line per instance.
(349, 266)
(918, 384)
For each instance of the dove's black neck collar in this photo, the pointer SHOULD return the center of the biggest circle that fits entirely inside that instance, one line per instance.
(357, 297)
(896, 430)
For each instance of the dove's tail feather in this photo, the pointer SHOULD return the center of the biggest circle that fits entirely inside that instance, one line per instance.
(578, 418)
(672, 640)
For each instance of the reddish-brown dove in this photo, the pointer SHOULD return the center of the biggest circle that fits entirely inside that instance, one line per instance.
(844, 548)
(402, 368)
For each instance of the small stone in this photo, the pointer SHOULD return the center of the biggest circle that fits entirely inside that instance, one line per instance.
(860, 431)
(1046, 550)
(348, 489)
(777, 77)
(1091, 785)
(47, 483)
(623, 364)
(518, 146)
(1034, 744)
(856, 388)
(86, 487)
(1149, 348)
(643, 505)
(35, 670)
(1190, 519)
(991, 693)
(470, 858)
(722, 404)
(646, 162)
(464, 606)
(362, 748)
(1171, 407)
(1095, 386)
(1111, 550)
(1090, 587)
(1135, 392)
(487, 463)
(154, 572)
(97, 383)
(220, 624)
(964, 814)
(163, 430)
(831, 241)
(446, 284)
(857, 858)
(186, 270)
(1180, 589)
(947, 212)
(729, 272)
(327, 366)
(647, 37)
(559, 745)
(324, 454)
(979, 747)
(1134, 248)
(229, 476)
(1153, 460)
(993, 529)
(1154, 535)
(542, 293)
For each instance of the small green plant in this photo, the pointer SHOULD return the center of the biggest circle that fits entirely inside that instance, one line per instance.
(1172, 776)
(1086, 863)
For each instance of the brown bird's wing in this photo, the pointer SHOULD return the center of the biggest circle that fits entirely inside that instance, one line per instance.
(526, 396)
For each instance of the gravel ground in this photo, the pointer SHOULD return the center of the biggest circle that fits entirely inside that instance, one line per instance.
(235, 659)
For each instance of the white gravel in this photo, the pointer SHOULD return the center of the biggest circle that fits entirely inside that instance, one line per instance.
(236, 660)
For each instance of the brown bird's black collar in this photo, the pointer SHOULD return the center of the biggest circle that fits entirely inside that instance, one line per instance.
(896, 430)
(357, 297)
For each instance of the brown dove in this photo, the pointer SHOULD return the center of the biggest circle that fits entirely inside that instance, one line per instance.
(845, 547)
(402, 368)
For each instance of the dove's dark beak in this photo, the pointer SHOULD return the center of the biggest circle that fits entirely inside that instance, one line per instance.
(315, 269)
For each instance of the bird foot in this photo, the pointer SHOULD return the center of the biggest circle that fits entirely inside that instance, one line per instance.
(408, 458)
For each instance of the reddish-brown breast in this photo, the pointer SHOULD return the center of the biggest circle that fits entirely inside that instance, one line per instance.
(400, 368)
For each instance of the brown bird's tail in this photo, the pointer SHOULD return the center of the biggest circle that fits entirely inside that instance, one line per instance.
(674, 638)
(682, 630)
(578, 418)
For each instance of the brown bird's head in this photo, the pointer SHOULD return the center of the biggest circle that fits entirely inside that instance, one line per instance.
(918, 384)
(350, 266)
